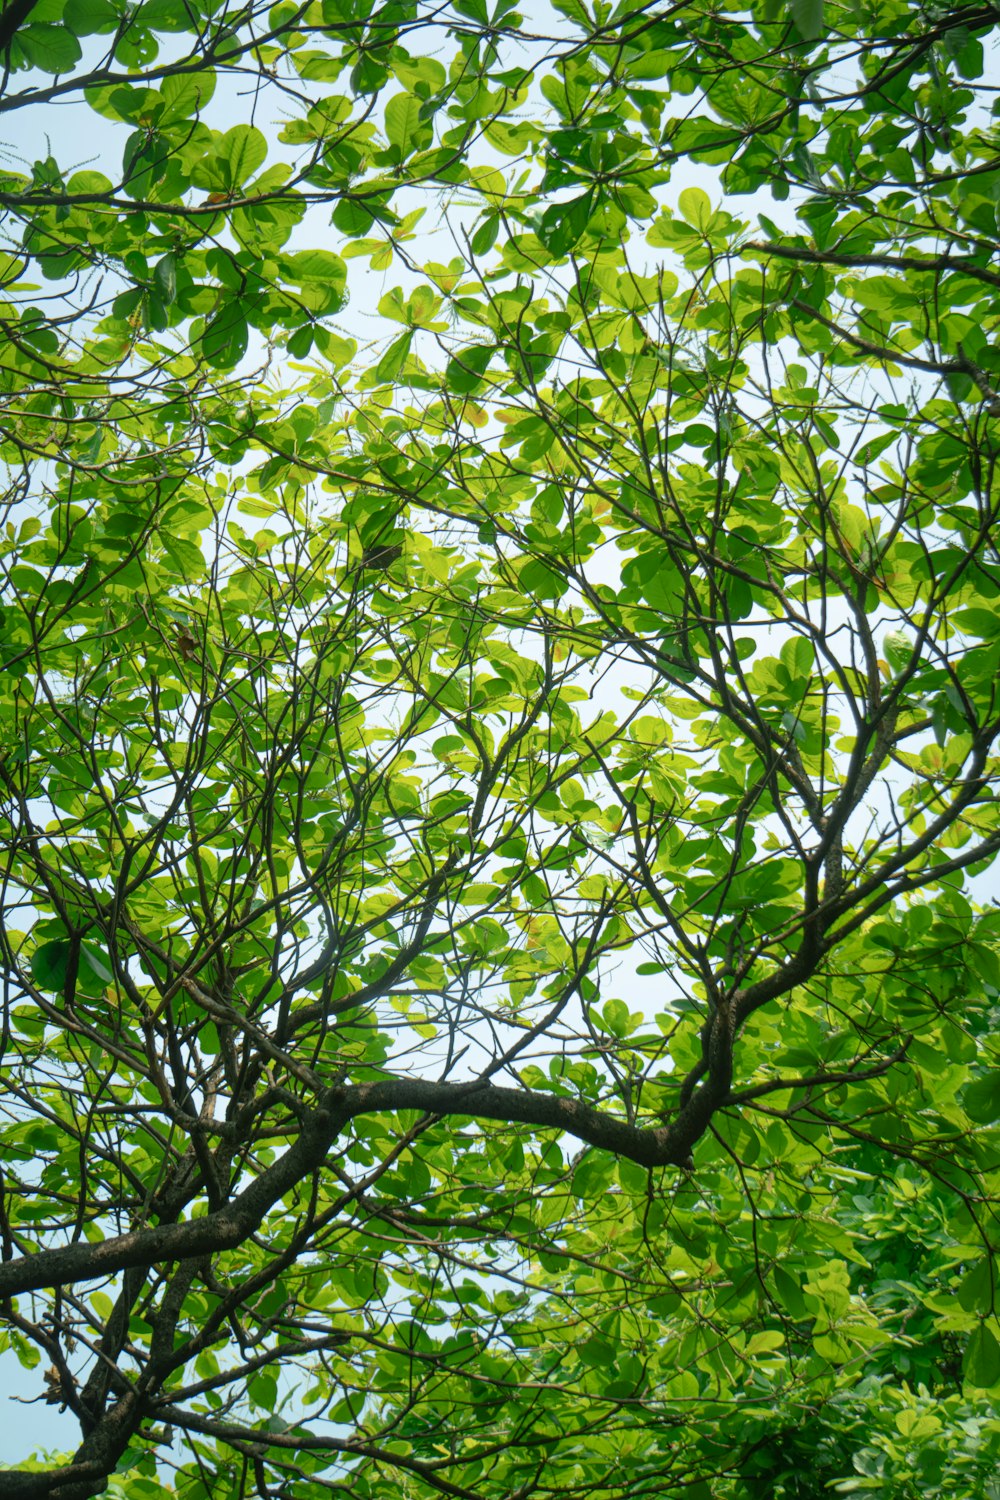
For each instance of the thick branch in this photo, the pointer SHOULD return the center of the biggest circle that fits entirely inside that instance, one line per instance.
(937, 263)
(227, 1227)
(658, 1146)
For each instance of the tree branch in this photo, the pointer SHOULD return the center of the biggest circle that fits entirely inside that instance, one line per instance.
(805, 256)
(656, 1146)
(12, 19)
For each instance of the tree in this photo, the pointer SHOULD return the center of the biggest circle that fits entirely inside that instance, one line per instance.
(500, 967)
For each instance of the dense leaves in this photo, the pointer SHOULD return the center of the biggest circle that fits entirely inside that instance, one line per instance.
(498, 767)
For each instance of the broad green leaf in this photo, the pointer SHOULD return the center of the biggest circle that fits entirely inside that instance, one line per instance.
(50, 963)
(808, 17)
(976, 1290)
(562, 225)
(485, 236)
(394, 358)
(981, 1099)
(242, 150)
(981, 1365)
(186, 95)
(226, 336)
(466, 370)
(898, 649)
(51, 49)
(403, 125)
(977, 621)
(85, 17)
(696, 206)
(165, 278)
(322, 277)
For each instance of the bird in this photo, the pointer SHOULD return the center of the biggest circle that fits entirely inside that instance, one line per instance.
(381, 555)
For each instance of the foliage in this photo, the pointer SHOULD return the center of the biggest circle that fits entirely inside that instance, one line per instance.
(497, 818)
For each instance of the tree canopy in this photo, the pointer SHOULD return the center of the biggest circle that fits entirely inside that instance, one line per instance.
(498, 777)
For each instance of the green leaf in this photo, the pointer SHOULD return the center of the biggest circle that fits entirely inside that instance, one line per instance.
(403, 124)
(465, 371)
(696, 207)
(394, 358)
(52, 49)
(485, 236)
(165, 278)
(981, 1099)
(981, 1365)
(563, 225)
(976, 1291)
(808, 18)
(300, 342)
(354, 218)
(616, 1017)
(93, 969)
(226, 336)
(789, 1293)
(898, 649)
(86, 17)
(241, 151)
(984, 623)
(185, 95)
(368, 75)
(182, 557)
(50, 964)
(322, 276)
